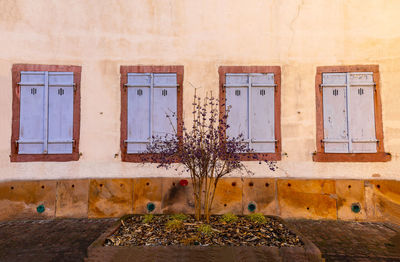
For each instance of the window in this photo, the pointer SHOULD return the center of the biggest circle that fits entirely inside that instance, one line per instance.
(151, 104)
(46, 113)
(252, 94)
(349, 119)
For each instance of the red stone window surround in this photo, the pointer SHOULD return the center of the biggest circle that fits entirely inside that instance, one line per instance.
(16, 77)
(320, 155)
(124, 70)
(223, 70)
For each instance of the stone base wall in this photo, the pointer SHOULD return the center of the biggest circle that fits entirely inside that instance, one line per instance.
(361, 200)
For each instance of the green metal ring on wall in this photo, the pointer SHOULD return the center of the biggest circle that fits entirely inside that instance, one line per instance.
(251, 207)
(150, 206)
(355, 207)
(40, 209)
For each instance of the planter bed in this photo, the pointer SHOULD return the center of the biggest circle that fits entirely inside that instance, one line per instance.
(131, 239)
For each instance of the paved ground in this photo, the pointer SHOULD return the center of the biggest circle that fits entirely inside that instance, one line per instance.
(352, 241)
(67, 239)
(49, 240)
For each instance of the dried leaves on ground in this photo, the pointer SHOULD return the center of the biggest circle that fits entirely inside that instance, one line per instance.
(166, 230)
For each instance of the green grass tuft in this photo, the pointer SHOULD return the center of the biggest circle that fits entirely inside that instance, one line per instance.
(205, 229)
(174, 224)
(229, 218)
(257, 218)
(148, 218)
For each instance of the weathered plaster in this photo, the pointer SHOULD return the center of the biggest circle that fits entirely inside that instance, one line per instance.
(297, 35)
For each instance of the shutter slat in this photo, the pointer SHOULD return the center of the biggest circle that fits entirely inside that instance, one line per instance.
(237, 80)
(362, 113)
(263, 119)
(61, 108)
(361, 78)
(237, 104)
(31, 113)
(334, 78)
(165, 80)
(165, 104)
(262, 79)
(139, 79)
(138, 118)
(335, 113)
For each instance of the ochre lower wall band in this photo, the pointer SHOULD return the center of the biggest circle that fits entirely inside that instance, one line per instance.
(360, 200)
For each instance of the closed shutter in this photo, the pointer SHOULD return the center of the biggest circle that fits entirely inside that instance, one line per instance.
(336, 138)
(362, 113)
(263, 113)
(138, 112)
(237, 98)
(152, 108)
(164, 121)
(61, 112)
(32, 113)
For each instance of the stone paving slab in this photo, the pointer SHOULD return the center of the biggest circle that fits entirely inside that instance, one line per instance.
(68, 239)
(352, 241)
(49, 240)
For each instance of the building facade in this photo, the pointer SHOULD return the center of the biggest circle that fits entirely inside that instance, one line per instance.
(318, 56)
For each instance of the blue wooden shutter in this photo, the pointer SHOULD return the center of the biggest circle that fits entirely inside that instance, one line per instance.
(336, 138)
(262, 113)
(32, 113)
(237, 98)
(139, 107)
(362, 113)
(61, 112)
(164, 120)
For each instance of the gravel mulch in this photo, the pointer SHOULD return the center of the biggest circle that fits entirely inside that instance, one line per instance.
(160, 231)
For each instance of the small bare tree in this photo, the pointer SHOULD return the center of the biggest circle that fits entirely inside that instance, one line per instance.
(204, 151)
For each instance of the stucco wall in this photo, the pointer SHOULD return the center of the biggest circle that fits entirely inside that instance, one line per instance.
(297, 35)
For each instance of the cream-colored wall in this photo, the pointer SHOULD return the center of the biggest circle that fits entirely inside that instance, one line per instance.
(298, 35)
